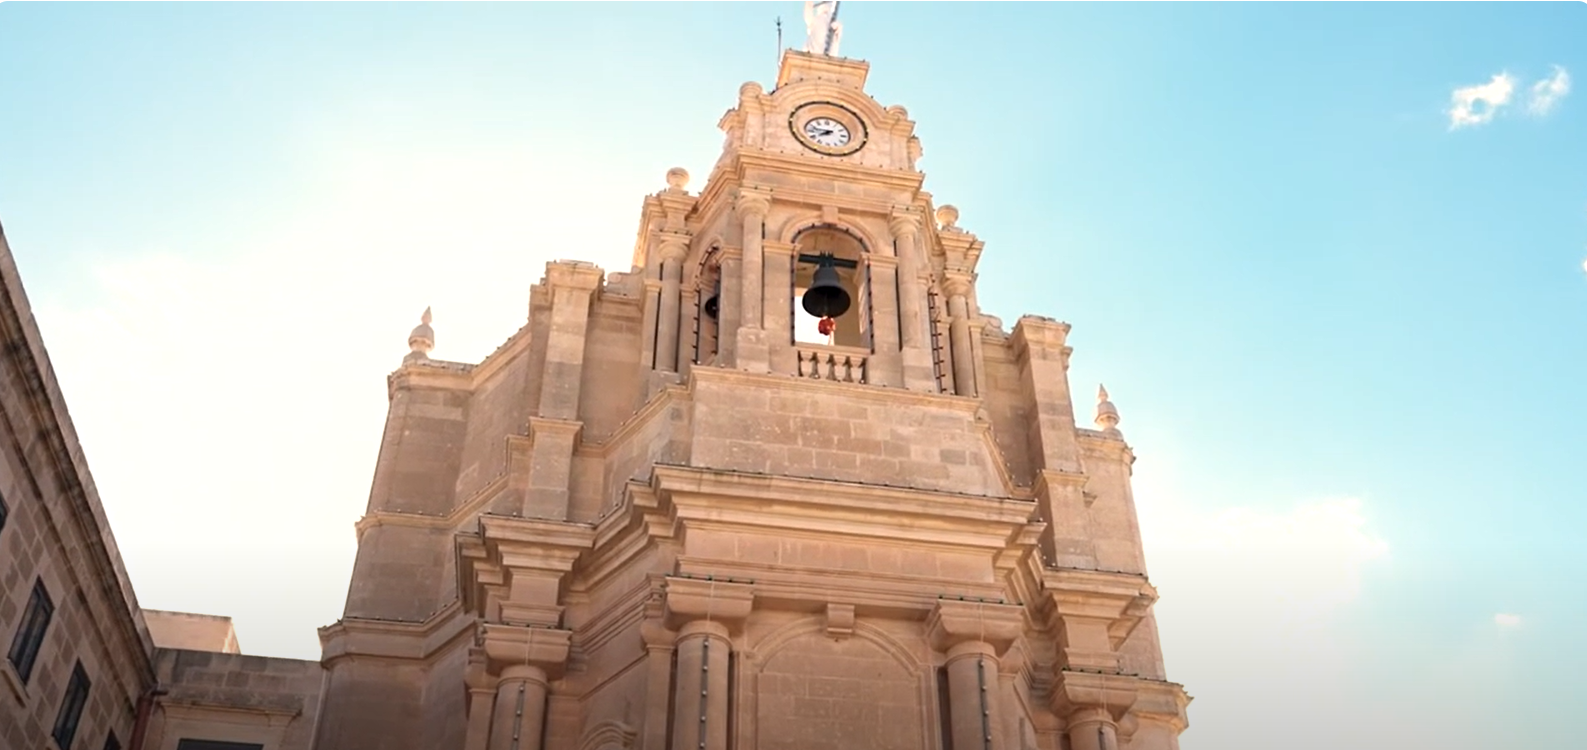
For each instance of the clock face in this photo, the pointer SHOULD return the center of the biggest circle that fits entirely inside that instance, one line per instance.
(825, 131)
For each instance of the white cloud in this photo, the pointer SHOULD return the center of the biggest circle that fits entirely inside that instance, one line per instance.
(1477, 105)
(1504, 620)
(1548, 92)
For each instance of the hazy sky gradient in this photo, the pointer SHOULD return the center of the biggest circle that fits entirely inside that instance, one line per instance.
(1337, 295)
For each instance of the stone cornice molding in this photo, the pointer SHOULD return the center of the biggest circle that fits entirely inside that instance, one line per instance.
(1037, 337)
(1164, 702)
(955, 622)
(575, 274)
(177, 708)
(752, 159)
(521, 564)
(794, 588)
(1116, 602)
(354, 637)
(791, 504)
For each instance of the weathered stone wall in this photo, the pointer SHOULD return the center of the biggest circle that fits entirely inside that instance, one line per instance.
(235, 698)
(829, 431)
(497, 409)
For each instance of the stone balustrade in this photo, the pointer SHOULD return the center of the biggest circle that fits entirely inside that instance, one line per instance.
(838, 363)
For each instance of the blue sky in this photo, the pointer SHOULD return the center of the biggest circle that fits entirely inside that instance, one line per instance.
(1346, 339)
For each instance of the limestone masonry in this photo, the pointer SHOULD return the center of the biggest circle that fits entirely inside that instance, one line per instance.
(666, 516)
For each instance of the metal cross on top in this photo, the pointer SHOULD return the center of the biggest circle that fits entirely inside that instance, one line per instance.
(822, 28)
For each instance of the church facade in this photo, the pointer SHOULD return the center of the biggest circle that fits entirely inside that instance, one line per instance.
(781, 485)
(664, 515)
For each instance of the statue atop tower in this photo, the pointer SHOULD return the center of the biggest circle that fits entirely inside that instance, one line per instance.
(822, 29)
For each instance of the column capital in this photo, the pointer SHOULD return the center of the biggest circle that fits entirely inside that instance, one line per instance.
(956, 284)
(903, 223)
(1081, 697)
(673, 246)
(752, 202)
(956, 622)
(543, 648)
(690, 599)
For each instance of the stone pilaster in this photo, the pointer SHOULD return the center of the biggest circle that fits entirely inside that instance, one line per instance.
(705, 614)
(673, 249)
(779, 306)
(550, 467)
(962, 351)
(688, 328)
(974, 635)
(659, 644)
(652, 313)
(481, 685)
(732, 302)
(886, 364)
(752, 350)
(915, 344)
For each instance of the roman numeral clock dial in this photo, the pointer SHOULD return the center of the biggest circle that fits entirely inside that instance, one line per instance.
(827, 132)
(828, 128)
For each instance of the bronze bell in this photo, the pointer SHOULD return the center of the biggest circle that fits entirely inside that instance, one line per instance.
(826, 297)
(713, 304)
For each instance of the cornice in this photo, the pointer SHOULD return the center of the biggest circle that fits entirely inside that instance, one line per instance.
(754, 158)
(354, 637)
(713, 496)
(785, 383)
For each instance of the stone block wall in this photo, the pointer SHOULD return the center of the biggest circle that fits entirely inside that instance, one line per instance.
(235, 698)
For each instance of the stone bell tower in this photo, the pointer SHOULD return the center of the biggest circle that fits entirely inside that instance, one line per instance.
(664, 515)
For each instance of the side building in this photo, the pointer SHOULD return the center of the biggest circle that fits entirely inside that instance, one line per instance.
(85, 668)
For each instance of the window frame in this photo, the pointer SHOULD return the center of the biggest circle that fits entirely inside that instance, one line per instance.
(69, 718)
(31, 630)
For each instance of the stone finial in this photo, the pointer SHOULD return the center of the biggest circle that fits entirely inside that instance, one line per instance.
(1107, 413)
(915, 151)
(421, 340)
(948, 217)
(677, 178)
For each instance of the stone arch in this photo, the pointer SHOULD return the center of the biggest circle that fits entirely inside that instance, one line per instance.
(814, 692)
(774, 641)
(706, 279)
(855, 328)
(609, 735)
(798, 223)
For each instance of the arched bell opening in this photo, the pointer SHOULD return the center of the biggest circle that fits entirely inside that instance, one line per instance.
(708, 318)
(829, 266)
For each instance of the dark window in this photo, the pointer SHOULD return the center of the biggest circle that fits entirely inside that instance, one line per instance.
(111, 743)
(30, 632)
(213, 745)
(71, 708)
(2, 512)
